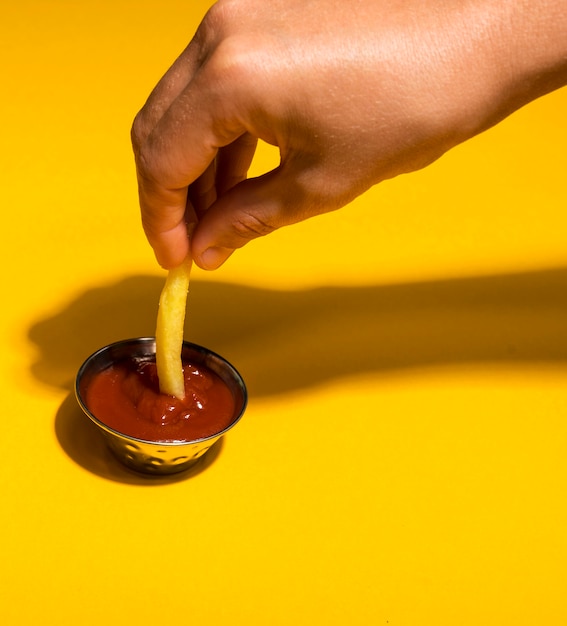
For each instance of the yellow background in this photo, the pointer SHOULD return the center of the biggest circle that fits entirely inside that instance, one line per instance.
(403, 457)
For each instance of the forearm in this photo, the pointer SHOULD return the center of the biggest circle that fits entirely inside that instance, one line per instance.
(537, 34)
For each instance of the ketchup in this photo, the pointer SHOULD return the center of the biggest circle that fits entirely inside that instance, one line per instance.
(126, 397)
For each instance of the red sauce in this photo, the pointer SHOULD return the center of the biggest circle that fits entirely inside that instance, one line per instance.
(126, 397)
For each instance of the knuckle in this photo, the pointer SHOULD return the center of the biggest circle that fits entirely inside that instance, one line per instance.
(248, 225)
(155, 165)
(231, 65)
(138, 132)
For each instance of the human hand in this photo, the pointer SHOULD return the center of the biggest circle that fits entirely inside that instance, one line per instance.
(350, 93)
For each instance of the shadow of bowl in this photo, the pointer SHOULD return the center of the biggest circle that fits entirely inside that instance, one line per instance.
(82, 441)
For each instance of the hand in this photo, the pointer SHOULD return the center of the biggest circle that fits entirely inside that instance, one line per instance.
(351, 93)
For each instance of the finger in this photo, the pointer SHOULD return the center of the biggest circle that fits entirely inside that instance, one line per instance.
(233, 162)
(203, 192)
(178, 151)
(166, 228)
(228, 169)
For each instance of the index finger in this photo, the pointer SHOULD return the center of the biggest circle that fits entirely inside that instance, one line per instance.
(166, 218)
(175, 153)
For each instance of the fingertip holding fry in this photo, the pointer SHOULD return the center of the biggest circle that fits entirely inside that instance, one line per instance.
(213, 258)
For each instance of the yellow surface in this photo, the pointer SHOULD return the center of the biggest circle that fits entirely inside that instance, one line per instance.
(402, 460)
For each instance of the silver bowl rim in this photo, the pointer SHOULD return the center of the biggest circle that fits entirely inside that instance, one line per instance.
(87, 363)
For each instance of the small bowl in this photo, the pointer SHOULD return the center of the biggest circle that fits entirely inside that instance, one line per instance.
(155, 457)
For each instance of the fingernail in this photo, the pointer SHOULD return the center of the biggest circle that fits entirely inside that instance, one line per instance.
(212, 258)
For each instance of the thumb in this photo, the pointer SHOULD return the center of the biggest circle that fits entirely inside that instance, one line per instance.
(253, 208)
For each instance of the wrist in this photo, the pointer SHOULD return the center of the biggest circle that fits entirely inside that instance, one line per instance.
(526, 52)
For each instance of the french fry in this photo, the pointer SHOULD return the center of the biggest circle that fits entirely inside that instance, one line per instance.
(169, 330)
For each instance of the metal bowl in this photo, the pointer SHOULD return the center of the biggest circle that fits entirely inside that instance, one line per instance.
(154, 457)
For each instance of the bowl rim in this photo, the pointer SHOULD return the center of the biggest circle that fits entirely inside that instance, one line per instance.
(187, 345)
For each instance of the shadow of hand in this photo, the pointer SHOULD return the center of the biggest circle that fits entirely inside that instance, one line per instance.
(284, 340)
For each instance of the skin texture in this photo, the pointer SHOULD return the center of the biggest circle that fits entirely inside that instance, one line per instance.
(352, 93)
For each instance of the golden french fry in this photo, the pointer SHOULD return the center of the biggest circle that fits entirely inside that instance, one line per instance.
(169, 330)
